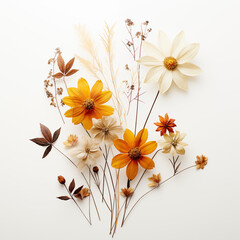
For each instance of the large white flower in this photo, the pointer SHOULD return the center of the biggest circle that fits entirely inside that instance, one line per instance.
(170, 62)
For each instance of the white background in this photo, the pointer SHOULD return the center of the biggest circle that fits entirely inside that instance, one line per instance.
(195, 205)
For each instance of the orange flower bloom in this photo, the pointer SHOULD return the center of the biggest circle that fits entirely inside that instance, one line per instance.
(165, 124)
(132, 153)
(86, 105)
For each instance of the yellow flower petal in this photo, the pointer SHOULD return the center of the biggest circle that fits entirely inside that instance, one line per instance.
(121, 145)
(103, 97)
(74, 112)
(87, 121)
(148, 147)
(74, 92)
(120, 161)
(105, 110)
(141, 137)
(132, 170)
(72, 101)
(96, 89)
(78, 119)
(129, 138)
(146, 162)
(83, 88)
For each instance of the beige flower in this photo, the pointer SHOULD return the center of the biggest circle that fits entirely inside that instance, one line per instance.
(155, 180)
(87, 152)
(201, 162)
(170, 62)
(71, 141)
(83, 193)
(173, 144)
(106, 129)
(126, 192)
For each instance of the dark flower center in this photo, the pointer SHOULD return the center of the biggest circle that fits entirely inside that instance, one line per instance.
(134, 153)
(170, 63)
(88, 104)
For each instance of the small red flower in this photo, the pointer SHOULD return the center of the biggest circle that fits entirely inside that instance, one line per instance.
(165, 124)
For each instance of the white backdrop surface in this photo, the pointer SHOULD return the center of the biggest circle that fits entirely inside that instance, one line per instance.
(195, 205)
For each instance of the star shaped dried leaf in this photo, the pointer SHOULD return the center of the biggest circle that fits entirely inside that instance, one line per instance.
(65, 70)
(47, 140)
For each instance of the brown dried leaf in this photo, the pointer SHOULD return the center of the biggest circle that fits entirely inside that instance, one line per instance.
(71, 72)
(56, 135)
(61, 63)
(58, 75)
(71, 186)
(64, 198)
(46, 133)
(69, 65)
(78, 190)
(47, 151)
(40, 141)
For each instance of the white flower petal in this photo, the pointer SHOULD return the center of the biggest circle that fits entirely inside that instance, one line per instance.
(188, 53)
(164, 44)
(189, 69)
(180, 80)
(149, 61)
(178, 44)
(150, 50)
(154, 74)
(165, 81)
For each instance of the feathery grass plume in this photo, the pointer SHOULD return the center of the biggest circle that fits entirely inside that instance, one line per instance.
(107, 39)
(93, 65)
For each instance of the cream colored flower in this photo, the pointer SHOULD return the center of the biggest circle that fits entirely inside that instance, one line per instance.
(170, 62)
(71, 141)
(173, 144)
(155, 180)
(106, 129)
(87, 152)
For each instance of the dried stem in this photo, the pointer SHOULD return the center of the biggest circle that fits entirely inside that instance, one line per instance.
(92, 196)
(156, 188)
(55, 89)
(77, 204)
(65, 155)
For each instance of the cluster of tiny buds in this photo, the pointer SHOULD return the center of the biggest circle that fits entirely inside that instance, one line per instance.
(129, 22)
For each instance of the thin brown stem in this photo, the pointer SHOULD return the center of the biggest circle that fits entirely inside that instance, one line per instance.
(154, 101)
(101, 193)
(55, 90)
(77, 204)
(65, 155)
(156, 188)
(92, 196)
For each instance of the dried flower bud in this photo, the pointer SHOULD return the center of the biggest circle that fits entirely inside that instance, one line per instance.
(201, 162)
(61, 179)
(129, 22)
(146, 23)
(155, 180)
(95, 169)
(126, 192)
(138, 34)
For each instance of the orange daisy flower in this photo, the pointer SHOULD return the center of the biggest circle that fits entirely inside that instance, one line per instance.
(132, 153)
(87, 104)
(165, 124)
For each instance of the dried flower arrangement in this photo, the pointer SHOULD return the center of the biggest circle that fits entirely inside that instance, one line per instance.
(105, 124)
